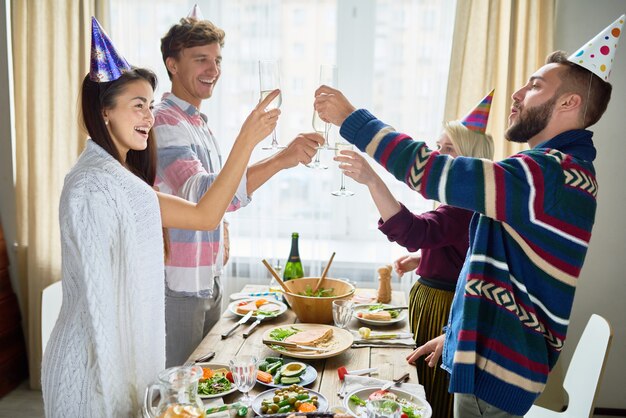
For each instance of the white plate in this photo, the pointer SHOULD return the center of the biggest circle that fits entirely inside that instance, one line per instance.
(306, 378)
(364, 393)
(341, 340)
(365, 307)
(322, 402)
(233, 306)
(216, 366)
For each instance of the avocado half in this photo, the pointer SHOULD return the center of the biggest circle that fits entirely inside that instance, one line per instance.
(293, 369)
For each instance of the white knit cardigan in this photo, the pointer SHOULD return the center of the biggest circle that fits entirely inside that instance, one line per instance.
(109, 341)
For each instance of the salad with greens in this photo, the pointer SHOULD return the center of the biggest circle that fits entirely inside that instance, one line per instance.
(409, 409)
(215, 382)
(320, 293)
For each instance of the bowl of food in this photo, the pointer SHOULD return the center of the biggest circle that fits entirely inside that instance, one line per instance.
(316, 307)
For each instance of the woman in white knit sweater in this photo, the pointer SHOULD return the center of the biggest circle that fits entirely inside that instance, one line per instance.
(109, 341)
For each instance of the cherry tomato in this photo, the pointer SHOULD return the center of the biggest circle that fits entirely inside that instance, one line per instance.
(229, 376)
(377, 395)
(404, 415)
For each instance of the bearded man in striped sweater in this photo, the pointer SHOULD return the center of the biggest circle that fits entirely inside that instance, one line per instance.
(529, 236)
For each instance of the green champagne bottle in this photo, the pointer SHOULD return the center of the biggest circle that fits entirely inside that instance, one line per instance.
(293, 268)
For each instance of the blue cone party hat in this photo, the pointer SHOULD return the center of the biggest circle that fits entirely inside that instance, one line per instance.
(106, 63)
(195, 13)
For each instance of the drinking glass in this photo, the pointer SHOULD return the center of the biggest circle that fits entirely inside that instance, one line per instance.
(328, 76)
(339, 146)
(383, 408)
(269, 79)
(244, 369)
(342, 312)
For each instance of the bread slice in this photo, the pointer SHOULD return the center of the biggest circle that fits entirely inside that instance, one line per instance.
(311, 337)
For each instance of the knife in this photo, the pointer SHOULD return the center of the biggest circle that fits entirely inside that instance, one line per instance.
(396, 382)
(393, 308)
(293, 345)
(241, 321)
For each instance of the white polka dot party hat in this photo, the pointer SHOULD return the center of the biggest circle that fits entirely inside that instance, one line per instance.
(597, 55)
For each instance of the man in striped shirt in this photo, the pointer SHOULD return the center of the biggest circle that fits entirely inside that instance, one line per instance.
(189, 162)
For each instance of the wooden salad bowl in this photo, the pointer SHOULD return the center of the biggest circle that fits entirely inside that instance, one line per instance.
(314, 309)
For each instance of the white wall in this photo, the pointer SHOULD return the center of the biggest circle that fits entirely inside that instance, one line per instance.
(602, 285)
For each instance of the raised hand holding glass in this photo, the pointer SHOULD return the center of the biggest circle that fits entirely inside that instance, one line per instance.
(269, 79)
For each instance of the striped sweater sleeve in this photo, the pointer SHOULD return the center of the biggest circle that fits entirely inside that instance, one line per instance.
(507, 190)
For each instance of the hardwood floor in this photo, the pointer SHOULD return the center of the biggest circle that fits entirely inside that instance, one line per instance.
(22, 402)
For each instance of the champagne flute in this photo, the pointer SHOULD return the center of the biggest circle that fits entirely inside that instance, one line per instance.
(244, 369)
(340, 146)
(269, 79)
(328, 76)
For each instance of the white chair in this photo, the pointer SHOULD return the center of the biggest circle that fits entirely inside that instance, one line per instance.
(584, 374)
(51, 298)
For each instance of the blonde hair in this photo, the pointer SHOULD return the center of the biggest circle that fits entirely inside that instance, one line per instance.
(469, 143)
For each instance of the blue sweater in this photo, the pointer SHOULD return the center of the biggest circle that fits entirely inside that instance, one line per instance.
(527, 246)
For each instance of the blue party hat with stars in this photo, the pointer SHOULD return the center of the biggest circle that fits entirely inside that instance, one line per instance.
(106, 63)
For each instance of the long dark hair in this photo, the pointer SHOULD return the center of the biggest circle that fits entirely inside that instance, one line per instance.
(99, 96)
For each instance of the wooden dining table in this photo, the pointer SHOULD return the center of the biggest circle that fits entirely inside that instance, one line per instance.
(390, 361)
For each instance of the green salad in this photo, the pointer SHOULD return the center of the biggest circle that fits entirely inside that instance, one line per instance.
(215, 385)
(320, 293)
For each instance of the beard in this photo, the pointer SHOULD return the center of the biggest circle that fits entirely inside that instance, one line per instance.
(530, 122)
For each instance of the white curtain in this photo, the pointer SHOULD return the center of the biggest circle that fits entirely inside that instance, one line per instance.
(397, 69)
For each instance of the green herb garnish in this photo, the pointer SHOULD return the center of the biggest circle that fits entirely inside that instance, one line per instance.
(279, 334)
(394, 314)
(357, 401)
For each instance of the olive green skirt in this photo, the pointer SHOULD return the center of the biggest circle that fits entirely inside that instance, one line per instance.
(428, 314)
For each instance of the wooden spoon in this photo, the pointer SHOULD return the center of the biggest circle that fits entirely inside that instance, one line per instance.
(323, 276)
(276, 276)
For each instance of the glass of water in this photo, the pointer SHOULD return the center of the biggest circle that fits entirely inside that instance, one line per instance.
(244, 370)
(342, 312)
(383, 408)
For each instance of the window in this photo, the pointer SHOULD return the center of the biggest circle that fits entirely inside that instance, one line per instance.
(388, 62)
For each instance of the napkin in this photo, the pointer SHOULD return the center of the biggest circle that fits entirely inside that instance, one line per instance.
(356, 382)
(364, 296)
(214, 402)
(406, 341)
